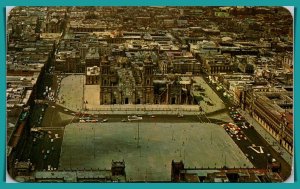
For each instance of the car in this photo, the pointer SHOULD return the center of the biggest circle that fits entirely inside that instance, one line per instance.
(180, 115)
(34, 140)
(66, 110)
(237, 138)
(48, 151)
(245, 138)
(51, 140)
(105, 120)
(134, 118)
(45, 156)
(152, 116)
(124, 120)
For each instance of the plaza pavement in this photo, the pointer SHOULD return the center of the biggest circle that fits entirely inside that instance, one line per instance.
(74, 93)
(95, 145)
(71, 92)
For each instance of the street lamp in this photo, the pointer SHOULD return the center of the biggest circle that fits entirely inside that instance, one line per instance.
(138, 137)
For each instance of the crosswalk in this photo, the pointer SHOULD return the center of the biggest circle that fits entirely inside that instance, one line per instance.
(203, 119)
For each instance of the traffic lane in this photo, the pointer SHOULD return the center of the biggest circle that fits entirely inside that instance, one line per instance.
(226, 101)
(256, 138)
(52, 148)
(37, 115)
(253, 135)
(39, 155)
(260, 160)
(244, 144)
(157, 118)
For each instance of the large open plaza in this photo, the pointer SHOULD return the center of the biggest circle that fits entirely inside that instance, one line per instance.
(92, 146)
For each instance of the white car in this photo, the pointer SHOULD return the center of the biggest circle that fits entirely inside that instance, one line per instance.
(134, 118)
(180, 115)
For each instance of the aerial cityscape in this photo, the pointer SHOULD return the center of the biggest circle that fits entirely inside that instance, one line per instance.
(149, 94)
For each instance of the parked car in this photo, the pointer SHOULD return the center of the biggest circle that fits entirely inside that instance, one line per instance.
(180, 115)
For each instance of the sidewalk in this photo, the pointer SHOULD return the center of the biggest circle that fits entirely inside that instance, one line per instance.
(285, 154)
(146, 109)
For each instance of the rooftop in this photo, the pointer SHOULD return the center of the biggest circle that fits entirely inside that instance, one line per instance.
(95, 70)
